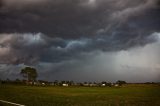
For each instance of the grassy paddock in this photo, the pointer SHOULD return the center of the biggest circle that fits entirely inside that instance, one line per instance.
(128, 95)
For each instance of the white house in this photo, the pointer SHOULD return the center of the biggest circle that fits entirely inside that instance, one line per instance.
(43, 84)
(103, 85)
(64, 84)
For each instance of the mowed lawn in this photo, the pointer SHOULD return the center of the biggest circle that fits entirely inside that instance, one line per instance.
(128, 95)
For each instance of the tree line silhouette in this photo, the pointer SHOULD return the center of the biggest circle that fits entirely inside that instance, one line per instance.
(30, 78)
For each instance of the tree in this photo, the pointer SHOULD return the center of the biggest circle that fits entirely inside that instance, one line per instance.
(71, 82)
(29, 73)
(120, 83)
(56, 82)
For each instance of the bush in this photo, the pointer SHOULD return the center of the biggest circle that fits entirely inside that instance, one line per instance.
(120, 83)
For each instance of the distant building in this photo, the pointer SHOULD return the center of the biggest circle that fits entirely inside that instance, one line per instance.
(116, 85)
(103, 85)
(43, 83)
(65, 85)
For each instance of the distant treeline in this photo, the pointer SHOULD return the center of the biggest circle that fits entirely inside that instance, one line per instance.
(30, 78)
(66, 83)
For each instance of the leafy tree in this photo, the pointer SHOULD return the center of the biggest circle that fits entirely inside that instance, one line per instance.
(29, 73)
(56, 82)
(104, 82)
(71, 82)
(120, 83)
(85, 83)
(109, 84)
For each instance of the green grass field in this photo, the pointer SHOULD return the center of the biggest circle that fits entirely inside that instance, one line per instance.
(129, 95)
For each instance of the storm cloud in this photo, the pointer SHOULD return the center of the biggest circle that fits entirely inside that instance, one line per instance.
(72, 37)
(79, 18)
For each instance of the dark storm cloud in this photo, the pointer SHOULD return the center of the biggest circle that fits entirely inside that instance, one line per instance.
(30, 49)
(141, 63)
(26, 48)
(67, 35)
(71, 28)
(54, 18)
(77, 18)
(99, 24)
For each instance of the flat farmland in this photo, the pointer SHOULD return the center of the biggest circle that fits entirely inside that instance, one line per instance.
(127, 95)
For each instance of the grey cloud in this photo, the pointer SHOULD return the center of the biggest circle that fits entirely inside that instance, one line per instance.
(133, 65)
(74, 19)
(20, 48)
(34, 48)
(10, 71)
(71, 30)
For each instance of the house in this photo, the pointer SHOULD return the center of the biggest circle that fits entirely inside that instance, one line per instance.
(65, 85)
(43, 84)
(116, 85)
(103, 85)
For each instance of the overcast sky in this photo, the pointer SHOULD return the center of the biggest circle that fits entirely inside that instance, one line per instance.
(81, 40)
